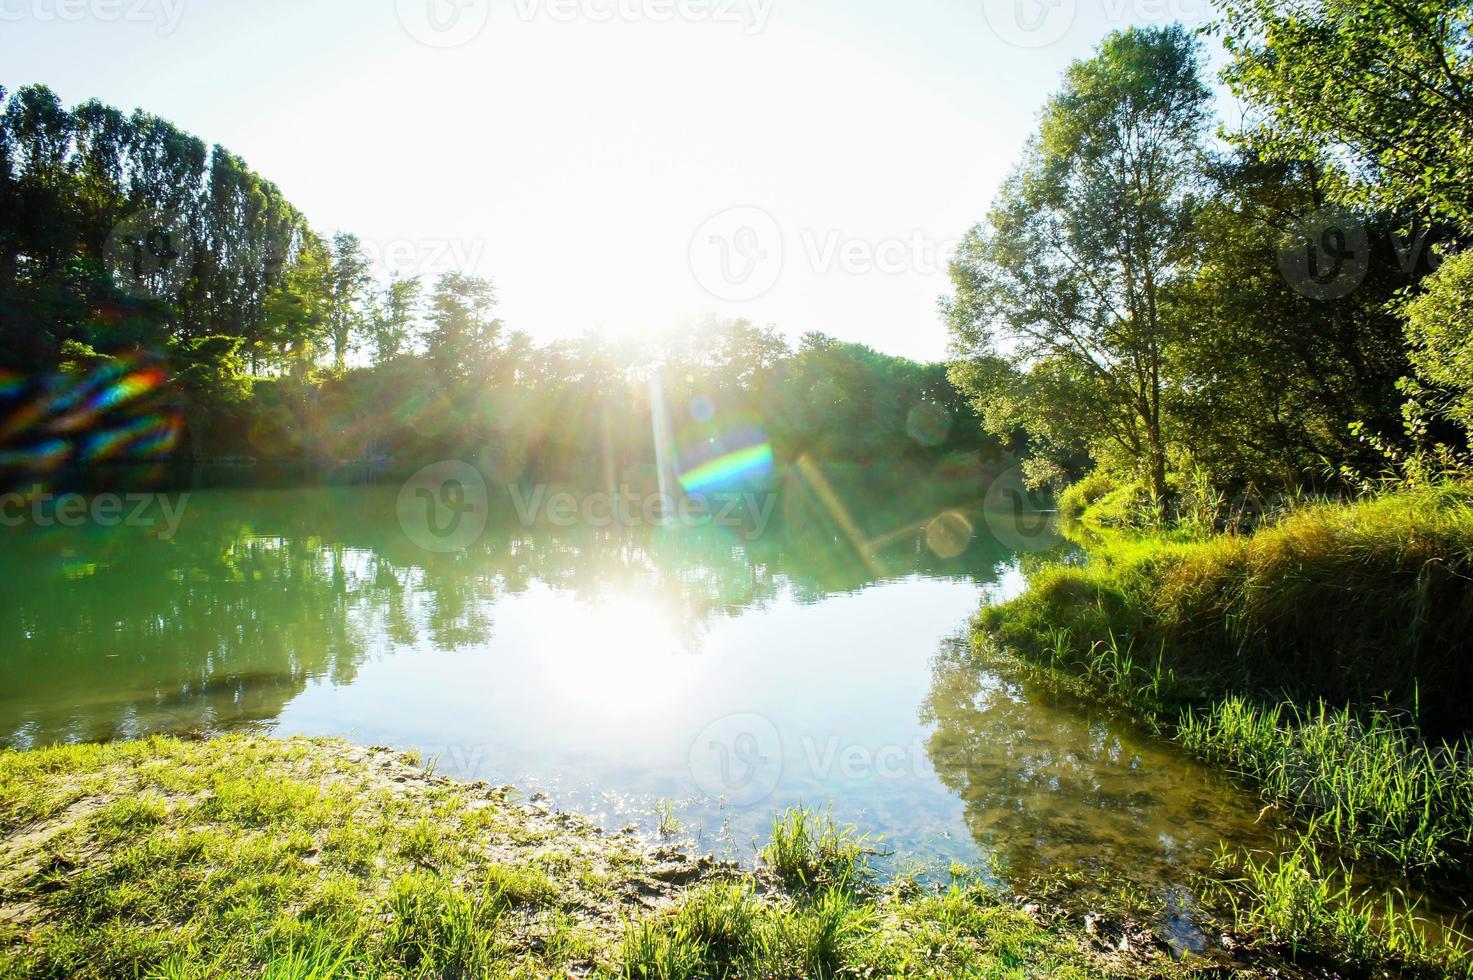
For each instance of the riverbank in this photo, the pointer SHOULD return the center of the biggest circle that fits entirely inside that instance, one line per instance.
(247, 856)
(1324, 659)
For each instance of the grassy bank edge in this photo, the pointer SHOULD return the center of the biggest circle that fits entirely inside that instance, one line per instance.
(296, 859)
(1180, 628)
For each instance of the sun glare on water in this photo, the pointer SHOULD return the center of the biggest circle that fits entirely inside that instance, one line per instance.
(619, 655)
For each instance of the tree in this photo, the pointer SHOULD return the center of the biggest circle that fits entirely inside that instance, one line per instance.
(350, 281)
(1382, 87)
(1269, 373)
(297, 310)
(1384, 90)
(1067, 274)
(9, 243)
(462, 336)
(394, 319)
(1442, 344)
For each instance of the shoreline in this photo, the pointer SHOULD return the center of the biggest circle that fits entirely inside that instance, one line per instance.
(236, 854)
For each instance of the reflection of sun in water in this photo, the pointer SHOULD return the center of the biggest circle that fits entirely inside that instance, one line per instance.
(618, 655)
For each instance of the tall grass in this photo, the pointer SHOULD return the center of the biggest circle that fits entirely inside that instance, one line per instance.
(808, 851)
(1368, 603)
(1368, 606)
(1374, 782)
(1295, 900)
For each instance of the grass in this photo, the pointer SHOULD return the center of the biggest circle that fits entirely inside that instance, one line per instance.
(308, 860)
(669, 823)
(246, 857)
(1239, 645)
(728, 929)
(1295, 900)
(1373, 784)
(1365, 603)
(809, 851)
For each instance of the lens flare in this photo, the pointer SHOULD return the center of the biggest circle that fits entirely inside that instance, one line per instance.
(140, 439)
(43, 458)
(112, 412)
(135, 385)
(739, 467)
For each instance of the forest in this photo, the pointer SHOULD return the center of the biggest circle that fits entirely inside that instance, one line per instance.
(159, 299)
(1270, 307)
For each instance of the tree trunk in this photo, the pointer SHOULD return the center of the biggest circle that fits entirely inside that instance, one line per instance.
(1156, 461)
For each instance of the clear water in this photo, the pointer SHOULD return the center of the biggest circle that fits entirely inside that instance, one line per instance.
(614, 669)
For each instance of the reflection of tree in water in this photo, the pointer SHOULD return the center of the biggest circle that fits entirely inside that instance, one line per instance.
(112, 632)
(1046, 783)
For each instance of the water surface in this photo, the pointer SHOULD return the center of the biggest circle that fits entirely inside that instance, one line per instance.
(616, 668)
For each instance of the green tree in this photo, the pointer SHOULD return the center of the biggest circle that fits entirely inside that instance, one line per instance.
(1438, 326)
(297, 310)
(462, 336)
(395, 317)
(1068, 273)
(347, 297)
(1268, 375)
(1383, 87)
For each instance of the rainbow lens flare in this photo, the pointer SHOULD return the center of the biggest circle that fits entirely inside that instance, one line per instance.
(746, 466)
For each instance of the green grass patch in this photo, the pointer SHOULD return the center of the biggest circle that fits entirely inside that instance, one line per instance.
(307, 860)
(727, 929)
(1317, 912)
(809, 851)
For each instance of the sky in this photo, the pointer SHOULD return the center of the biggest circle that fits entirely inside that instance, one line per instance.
(618, 165)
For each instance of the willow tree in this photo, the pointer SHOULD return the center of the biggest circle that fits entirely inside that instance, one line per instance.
(1068, 273)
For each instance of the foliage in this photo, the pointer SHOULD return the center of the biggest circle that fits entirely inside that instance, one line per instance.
(1066, 278)
(1363, 601)
(1369, 778)
(275, 343)
(1268, 376)
(1384, 88)
(1294, 900)
(1440, 329)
